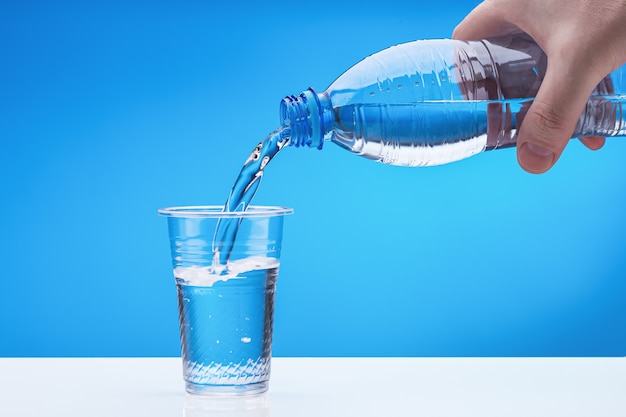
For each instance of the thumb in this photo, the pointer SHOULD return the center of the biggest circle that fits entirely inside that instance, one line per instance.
(551, 119)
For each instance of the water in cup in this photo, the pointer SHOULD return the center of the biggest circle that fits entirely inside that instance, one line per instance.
(226, 321)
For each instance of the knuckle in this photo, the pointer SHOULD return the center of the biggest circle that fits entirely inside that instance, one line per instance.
(548, 118)
(546, 122)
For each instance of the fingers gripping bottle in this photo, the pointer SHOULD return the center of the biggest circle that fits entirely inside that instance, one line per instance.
(437, 101)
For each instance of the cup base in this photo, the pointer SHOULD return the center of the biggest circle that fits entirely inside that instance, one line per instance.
(226, 390)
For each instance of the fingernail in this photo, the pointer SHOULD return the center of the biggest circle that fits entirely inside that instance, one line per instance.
(535, 158)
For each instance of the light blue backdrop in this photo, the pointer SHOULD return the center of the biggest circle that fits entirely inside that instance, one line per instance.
(109, 111)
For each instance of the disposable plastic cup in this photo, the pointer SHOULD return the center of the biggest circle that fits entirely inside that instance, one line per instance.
(226, 308)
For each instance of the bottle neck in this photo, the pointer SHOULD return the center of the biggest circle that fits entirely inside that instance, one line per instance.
(309, 118)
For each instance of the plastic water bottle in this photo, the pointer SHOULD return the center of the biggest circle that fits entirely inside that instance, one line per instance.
(437, 101)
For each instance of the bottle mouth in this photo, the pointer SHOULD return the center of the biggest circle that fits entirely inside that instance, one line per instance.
(301, 116)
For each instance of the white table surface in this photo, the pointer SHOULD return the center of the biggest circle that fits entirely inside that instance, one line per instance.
(301, 387)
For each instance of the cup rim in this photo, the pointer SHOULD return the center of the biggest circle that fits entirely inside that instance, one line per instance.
(213, 211)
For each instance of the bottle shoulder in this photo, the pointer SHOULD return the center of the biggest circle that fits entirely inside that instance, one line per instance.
(409, 72)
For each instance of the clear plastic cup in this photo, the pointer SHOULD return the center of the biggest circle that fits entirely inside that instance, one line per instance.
(226, 308)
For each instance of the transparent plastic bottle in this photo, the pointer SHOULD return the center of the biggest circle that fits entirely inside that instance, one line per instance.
(437, 101)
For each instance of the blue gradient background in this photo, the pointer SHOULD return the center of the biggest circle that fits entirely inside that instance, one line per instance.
(111, 110)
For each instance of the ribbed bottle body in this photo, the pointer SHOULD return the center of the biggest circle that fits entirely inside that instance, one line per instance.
(438, 101)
